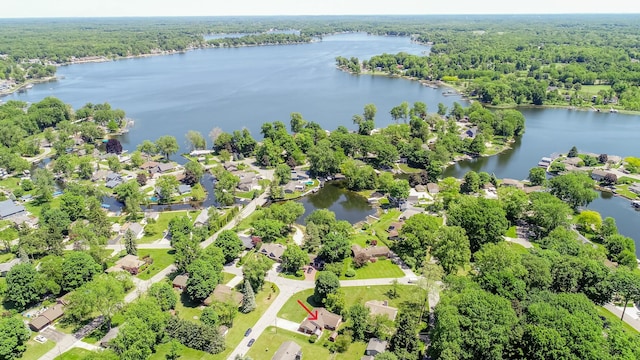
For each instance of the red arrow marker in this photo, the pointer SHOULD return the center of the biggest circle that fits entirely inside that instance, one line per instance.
(312, 315)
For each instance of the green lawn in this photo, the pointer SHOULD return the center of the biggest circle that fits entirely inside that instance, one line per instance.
(379, 269)
(408, 169)
(35, 350)
(186, 309)
(246, 222)
(267, 345)
(624, 191)
(244, 321)
(163, 223)
(358, 294)
(518, 248)
(380, 227)
(185, 353)
(11, 183)
(161, 259)
(4, 257)
(612, 318)
(8, 234)
(226, 277)
(76, 354)
(511, 232)
(36, 209)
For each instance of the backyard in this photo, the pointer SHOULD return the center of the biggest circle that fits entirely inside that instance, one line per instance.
(374, 270)
(161, 259)
(162, 224)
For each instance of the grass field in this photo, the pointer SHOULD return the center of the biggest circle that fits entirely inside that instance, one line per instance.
(380, 227)
(76, 354)
(161, 259)
(35, 350)
(186, 309)
(511, 232)
(4, 257)
(614, 319)
(378, 269)
(185, 353)
(408, 169)
(163, 223)
(624, 191)
(358, 294)
(246, 222)
(8, 234)
(226, 277)
(267, 345)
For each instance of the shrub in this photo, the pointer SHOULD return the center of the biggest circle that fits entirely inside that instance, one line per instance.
(313, 338)
(351, 272)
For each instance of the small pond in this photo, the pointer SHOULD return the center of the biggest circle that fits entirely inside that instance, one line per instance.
(346, 204)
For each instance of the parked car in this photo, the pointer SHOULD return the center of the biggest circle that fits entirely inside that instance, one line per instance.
(251, 342)
(246, 333)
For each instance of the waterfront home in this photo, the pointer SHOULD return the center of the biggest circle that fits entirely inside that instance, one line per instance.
(409, 212)
(394, 230)
(290, 187)
(149, 165)
(381, 308)
(224, 294)
(165, 167)
(184, 189)
(289, 350)
(599, 175)
(113, 180)
(272, 251)
(99, 175)
(9, 208)
(326, 320)
(247, 182)
(47, 317)
(375, 347)
(180, 282)
(202, 219)
(433, 188)
(512, 183)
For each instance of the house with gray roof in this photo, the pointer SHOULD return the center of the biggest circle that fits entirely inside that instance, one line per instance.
(7, 266)
(289, 350)
(9, 208)
(184, 189)
(375, 347)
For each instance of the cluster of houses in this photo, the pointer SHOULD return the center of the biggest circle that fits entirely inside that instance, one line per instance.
(248, 179)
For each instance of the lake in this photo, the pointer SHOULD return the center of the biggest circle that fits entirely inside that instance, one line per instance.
(346, 204)
(233, 88)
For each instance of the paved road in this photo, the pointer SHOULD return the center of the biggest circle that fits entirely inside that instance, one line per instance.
(288, 288)
(634, 322)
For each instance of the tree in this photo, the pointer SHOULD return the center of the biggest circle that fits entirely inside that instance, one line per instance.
(230, 245)
(335, 302)
(78, 268)
(590, 221)
(405, 341)
(167, 145)
(483, 220)
(576, 188)
(149, 148)
(370, 111)
(166, 186)
(268, 230)
(254, 271)
(400, 189)
(451, 248)
(13, 337)
(471, 183)
(323, 160)
(297, 122)
(104, 295)
(193, 172)
(293, 259)
(326, 283)
(626, 284)
(359, 177)
(621, 249)
(73, 205)
(130, 242)
(442, 109)
(113, 146)
(21, 286)
(209, 316)
(358, 314)
(164, 295)
(248, 299)
(196, 140)
(537, 176)
(336, 247)
(548, 212)
(203, 278)
(43, 182)
(283, 173)
(603, 158)
(573, 152)
(135, 340)
(323, 219)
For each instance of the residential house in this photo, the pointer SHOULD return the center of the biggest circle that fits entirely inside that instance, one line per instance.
(272, 251)
(326, 320)
(598, 175)
(113, 180)
(136, 228)
(202, 219)
(572, 161)
(230, 167)
(512, 183)
(130, 263)
(99, 175)
(371, 251)
(409, 212)
(151, 215)
(47, 317)
(375, 347)
(8, 208)
(223, 293)
(382, 308)
(289, 350)
(150, 166)
(180, 282)
(7, 266)
(290, 187)
(469, 133)
(184, 189)
(112, 334)
(433, 188)
(394, 230)
(247, 242)
(247, 182)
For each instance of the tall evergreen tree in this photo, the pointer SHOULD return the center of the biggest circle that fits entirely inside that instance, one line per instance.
(249, 299)
(130, 243)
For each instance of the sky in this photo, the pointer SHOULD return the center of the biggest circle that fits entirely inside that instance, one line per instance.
(119, 8)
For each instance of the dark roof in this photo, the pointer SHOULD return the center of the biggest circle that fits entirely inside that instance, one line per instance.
(8, 208)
